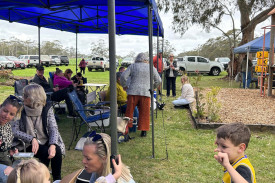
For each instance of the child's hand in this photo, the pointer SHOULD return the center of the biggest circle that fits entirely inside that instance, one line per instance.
(117, 167)
(222, 158)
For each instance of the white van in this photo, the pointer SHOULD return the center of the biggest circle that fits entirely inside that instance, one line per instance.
(29, 60)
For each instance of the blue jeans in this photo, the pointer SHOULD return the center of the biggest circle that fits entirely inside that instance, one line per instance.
(180, 102)
(248, 79)
(3, 177)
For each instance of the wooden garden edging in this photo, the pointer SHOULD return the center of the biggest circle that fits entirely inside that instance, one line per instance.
(252, 127)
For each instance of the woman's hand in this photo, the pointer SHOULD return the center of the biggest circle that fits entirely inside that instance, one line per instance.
(35, 145)
(117, 167)
(51, 151)
(8, 170)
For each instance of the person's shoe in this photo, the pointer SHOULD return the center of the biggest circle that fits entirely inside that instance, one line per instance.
(143, 134)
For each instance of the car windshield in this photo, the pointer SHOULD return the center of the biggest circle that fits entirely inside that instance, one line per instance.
(54, 56)
(3, 58)
(64, 57)
(224, 60)
(13, 58)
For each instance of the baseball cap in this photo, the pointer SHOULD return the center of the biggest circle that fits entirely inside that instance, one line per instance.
(39, 68)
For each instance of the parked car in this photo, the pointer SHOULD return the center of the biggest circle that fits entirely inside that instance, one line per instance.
(64, 60)
(224, 61)
(45, 60)
(192, 64)
(17, 62)
(127, 61)
(6, 63)
(98, 63)
(29, 60)
(55, 60)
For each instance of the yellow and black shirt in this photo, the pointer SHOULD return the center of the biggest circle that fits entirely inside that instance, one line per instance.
(244, 168)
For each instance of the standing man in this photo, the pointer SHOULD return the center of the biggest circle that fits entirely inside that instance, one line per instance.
(171, 75)
(158, 64)
(249, 69)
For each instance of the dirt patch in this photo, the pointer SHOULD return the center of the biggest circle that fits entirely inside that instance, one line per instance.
(245, 105)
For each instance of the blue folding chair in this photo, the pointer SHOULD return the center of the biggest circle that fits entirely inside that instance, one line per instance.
(89, 113)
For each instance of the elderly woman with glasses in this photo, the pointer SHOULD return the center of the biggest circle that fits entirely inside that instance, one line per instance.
(96, 160)
(138, 90)
(38, 129)
(10, 109)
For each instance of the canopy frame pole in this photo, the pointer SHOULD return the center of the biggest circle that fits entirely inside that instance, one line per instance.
(150, 34)
(112, 76)
(39, 28)
(246, 73)
(271, 56)
(157, 95)
(76, 49)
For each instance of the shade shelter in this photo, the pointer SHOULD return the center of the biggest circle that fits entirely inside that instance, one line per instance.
(255, 45)
(134, 17)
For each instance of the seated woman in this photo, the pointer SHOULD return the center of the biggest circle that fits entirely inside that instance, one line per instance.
(38, 129)
(68, 74)
(79, 80)
(9, 110)
(187, 93)
(60, 80)
(29, 171)
(96, 160)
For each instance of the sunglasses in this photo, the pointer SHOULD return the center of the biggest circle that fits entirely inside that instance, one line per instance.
(95, 137)
(14, 98)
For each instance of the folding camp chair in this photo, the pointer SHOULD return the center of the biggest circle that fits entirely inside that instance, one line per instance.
(88, 114)
(18, 87)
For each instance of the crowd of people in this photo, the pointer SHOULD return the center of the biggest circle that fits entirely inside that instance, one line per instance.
(33, 122)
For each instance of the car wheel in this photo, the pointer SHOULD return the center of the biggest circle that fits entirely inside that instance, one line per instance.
(215, 71)
(66, 64)
(90, 69)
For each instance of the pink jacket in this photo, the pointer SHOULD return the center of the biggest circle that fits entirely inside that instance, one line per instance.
(82, 63)
(62, 82)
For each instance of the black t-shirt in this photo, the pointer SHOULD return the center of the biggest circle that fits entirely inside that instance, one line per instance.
(244, 172)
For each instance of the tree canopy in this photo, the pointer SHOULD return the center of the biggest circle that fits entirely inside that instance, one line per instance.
(210, 13)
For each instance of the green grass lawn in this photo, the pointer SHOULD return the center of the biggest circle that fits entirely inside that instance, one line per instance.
(190, 151)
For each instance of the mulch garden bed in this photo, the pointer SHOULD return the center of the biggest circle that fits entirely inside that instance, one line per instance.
(243, 105)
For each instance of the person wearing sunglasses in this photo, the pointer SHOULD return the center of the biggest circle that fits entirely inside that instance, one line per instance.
(97, 161)
(10, 109)
(38, 129)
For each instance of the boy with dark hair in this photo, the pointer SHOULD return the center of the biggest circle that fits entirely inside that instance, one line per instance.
(232, 140)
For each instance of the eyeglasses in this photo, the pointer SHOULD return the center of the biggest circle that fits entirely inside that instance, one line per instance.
(14, 98)
(171, 56)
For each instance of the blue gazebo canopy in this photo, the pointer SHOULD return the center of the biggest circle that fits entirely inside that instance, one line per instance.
(82, 16)
(255, 45)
